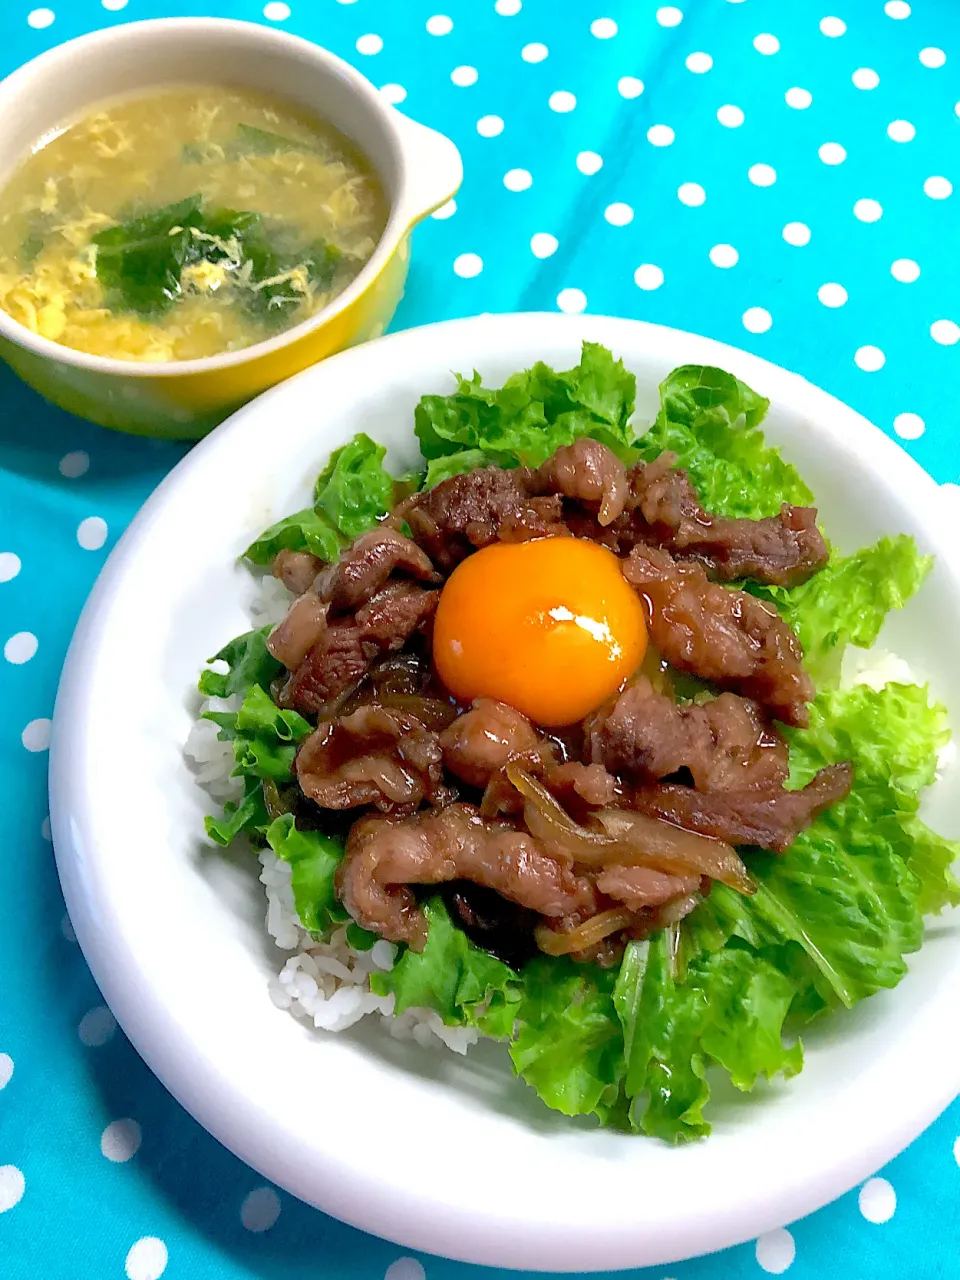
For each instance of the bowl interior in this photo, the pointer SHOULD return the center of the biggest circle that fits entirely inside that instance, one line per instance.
(445, 1154)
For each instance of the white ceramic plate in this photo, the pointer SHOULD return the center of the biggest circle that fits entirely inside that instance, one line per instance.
(430, 1150)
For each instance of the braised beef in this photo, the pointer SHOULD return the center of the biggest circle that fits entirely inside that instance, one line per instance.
(481, 741)
(296, 570)
(724, 743)
(384, 856)
(768, 817)
(304, 626)
(588, 472)
(386, 758)
(491, 922)
(367, 564)
(720, 634)
(641, 887)
(784, 550)
(471, 511)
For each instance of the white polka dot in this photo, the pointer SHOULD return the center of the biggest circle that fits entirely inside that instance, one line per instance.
(832, 26)
(535, 52)
(799, 99)
(724, 255)
(369, 44)
(66, 928)
(698, 63)
(669, 16)
(897, 9)
(36, 735)
(120, 1140)
(757, 319)
(589, 162)
(572, 301)
(73, 465)
(905, 270)
(517, 179)
(114, 5)
(776, 1251)
(629, 87)
(260, 1209)
(147, 1259)
(868, 210)
(946, 332)
(762, 175)
(660, 135)
(6, 1069)
(796, 233)
(97, 1027)
(92, 533)
(938, 188)
(464, 77)
(766, 43)
(618, 214)
(909, 426)
(832, 295)
(508, 8)
(956, 1150)
(832, 153)
(877, 1200)
(730, 116)
(468, 265)
(393, 93)
(11, 1186)
(439, 25)
(20, 648)
(691, 194)
(901, 131)
(563, 101)
(865, 78)
(489, 126)
(445, 211)
(9, 565)
(40, 18)
(932, 57)
(405, 1269)
(869, 359)
(45, 828)
(603, 28)
(276, 11)
(647, 277)
(543, 244)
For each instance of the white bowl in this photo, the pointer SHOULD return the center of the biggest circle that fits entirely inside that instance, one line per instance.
(432, 1151)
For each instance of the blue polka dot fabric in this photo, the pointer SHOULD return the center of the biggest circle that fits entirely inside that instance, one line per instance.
(781, 176)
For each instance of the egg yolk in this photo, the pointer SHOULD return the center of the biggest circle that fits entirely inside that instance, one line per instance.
(548, 626)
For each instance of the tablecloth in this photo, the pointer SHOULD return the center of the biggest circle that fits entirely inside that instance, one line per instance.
(779, 175)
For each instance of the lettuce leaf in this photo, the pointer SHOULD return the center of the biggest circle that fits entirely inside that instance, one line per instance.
(847, 601)
(531, 415)
(351, 493)
(710, 420)
(354, 490)
(264, 737)
(250, 662)
(249, 815)
(465, 985)
(568, 1044)
(313, 859)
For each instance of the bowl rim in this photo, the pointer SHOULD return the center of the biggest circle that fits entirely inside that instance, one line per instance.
(363, 1198)
(397, 130)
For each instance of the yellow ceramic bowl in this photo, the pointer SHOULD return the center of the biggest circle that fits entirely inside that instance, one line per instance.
(419, 168)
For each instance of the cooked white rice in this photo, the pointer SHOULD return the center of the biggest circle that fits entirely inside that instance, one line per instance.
(327, 983)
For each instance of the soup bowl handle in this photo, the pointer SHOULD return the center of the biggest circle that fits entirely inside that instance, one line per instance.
(433, 169)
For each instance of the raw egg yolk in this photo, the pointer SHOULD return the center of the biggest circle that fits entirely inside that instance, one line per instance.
(548, 626)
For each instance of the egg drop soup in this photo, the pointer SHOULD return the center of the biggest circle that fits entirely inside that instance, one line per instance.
(183, 224)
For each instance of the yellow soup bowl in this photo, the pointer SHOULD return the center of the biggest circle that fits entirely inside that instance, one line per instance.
(418, 168)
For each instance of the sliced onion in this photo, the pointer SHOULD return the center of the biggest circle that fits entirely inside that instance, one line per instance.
(674, 849)
(554, 943)
(626, 838)
(431, 712)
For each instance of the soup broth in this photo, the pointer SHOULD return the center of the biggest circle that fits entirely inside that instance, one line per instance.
(183, 224)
